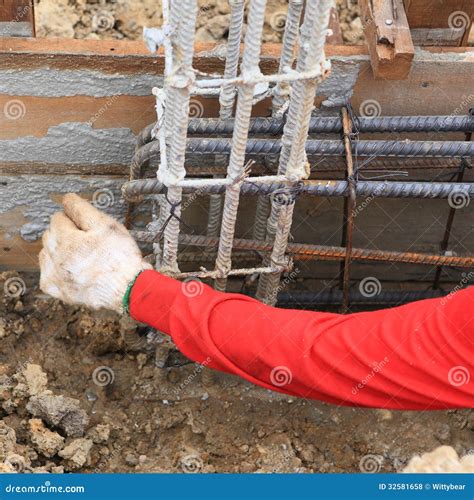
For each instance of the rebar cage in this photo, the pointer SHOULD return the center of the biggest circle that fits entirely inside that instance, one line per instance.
(244, 144)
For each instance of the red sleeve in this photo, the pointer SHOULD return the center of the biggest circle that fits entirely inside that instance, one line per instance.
(414, 357)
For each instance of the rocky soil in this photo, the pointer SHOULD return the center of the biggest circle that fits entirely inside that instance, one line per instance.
(82, 391)
(124, 19)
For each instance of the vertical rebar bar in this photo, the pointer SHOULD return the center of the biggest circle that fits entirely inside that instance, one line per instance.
(281, 94)
(281, 91)
(178, 86)
(293, 156)
(236, 167)
(227, 96)
(349, 207)
(287, 141)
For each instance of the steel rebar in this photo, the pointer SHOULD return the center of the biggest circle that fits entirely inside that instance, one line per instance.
(336, 148)
(324, 188)
(227, 96)
(280, 100)
(452, 212)
(178, 126)
(293, 160)
(250, 61)
(405, 149)
(329, 125)
(349, 210)
(305, 251)
(281, 91)
(300, 299)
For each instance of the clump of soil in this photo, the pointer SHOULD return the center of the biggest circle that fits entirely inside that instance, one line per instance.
(52, 443)
(84, 391)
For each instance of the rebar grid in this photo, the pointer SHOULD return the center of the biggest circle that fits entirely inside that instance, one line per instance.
(292, 105)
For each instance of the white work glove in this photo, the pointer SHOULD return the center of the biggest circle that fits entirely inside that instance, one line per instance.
(88, 257)
(443, 459)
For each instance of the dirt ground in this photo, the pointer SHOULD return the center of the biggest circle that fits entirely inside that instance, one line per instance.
(124, 19)
(82, 392)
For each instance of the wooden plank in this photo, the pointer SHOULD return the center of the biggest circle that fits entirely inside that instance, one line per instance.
(388, 38)
(452, 14)
(446, 37)
(76, 106)
(17, 18)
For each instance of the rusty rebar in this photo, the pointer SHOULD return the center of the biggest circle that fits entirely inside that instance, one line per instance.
(452, 212)
(349, 210)
(304, 251)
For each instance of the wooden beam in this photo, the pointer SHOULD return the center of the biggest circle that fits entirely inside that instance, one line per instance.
(98, 96)
(453, 17)
(17, 18)
(388, 38)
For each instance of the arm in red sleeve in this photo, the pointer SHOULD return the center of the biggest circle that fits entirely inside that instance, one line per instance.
(414, 357)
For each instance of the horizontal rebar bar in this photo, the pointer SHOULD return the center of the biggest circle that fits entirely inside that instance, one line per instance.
(217, 274)
(300, 299)
(390, 166)
(313, 148)
(329, 125)
(336, 148)
(330, 188)
(304, 251)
